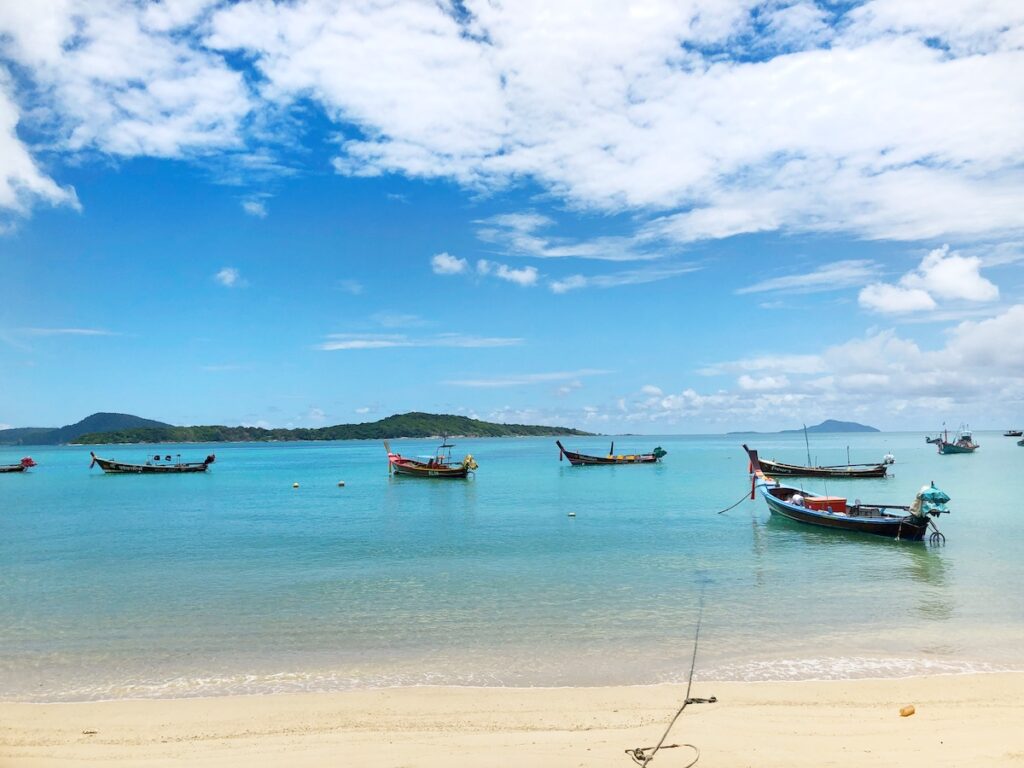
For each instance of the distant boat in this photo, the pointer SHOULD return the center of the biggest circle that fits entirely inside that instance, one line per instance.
(893, 521)
(26, 463)
(963, 442)
(781, 469)
(154, 467)
(438, 466)
(1012, 433)
(1020, 443)
(933, 440)
(582, 459)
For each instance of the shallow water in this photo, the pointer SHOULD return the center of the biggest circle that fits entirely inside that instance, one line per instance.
(234, 582)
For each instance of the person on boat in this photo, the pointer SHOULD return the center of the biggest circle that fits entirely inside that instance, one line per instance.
(797, 500)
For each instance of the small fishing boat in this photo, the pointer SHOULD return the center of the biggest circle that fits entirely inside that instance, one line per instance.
(25, 463)
(1020, 443)
(909, 522)
(1013, 433)
(963, 442)
(438, 466)
(781, 469)
(581, 459)
(933, 440)
(166, 466)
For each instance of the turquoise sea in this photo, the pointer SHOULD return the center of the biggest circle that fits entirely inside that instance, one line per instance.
(235, 582)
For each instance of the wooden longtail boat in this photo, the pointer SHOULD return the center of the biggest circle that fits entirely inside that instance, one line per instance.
(963, 442)
(933, 440)
(781, 469)
(150, 468)
(26, 463)
(438, 466)
(894, 521)
(580, 459)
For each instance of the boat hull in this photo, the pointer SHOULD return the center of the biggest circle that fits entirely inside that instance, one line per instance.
(950, 448)
(410, 468)
(906, 528)
(582, 459)
(121, 468)
(779, 469)
(11, 468)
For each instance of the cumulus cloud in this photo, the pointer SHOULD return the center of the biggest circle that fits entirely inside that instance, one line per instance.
(524, 276)
(255, 207)
(941, 274)
(981, 363)
(229, 277)
(446, 264)
(886, 120)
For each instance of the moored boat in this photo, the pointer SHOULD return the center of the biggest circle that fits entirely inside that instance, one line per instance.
(581, 459)
(440, 465)
(962, 442)
(154, 467)
(25, 463)
(894, 521)
(781, 469)
(1013, 433)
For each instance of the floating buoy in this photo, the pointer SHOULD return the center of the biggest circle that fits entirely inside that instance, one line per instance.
(341, 483)
(907, 711)
(572, 514)
(295, 485)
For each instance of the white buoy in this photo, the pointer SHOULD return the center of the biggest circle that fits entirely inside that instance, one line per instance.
(572, 514)
(341, 483)
(295, 485)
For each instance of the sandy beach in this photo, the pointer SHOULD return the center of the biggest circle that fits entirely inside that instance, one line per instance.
(959, 720)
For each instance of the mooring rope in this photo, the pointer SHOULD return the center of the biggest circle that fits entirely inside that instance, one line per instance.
(742, 499)
(640, 755)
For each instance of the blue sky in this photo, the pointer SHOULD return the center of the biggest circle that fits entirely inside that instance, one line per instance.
(645, 217)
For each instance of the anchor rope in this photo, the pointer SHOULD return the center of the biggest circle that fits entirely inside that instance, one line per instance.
(643, 755)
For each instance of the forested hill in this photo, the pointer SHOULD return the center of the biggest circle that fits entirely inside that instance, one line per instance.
(399, 425)
(98, 422)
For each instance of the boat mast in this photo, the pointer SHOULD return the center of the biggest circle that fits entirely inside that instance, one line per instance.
(808, 444)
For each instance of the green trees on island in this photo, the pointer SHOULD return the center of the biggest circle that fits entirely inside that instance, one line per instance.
(400, 425)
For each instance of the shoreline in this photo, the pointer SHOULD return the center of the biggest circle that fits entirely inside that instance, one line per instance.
(969, 719)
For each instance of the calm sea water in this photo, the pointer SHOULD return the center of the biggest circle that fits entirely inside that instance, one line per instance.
(234, 582)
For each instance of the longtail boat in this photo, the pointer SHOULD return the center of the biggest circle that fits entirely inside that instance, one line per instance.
(1020, 443)
(580, 459)
(438, 466)
(25, 463)
(963, 442)
(933, 440)
(781, 469)
(894, 521)
(1013, 433)
(154, 467)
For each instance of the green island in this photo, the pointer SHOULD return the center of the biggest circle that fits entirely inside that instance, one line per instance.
(400, 425)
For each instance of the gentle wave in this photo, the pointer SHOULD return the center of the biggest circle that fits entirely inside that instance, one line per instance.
(785, 670)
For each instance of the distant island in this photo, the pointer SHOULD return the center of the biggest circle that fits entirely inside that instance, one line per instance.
(829, 425)
(98, 422)
(102, 428)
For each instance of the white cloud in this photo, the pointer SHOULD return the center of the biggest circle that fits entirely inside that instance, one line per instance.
(524, 379)
(524, 276)
(825, 277)
(615, 279)
(350, 341)
(895, 120)
(229, 277)
(255, 207)
(22, 182)
(941, 274)
(68, 332)
(893, 299)
(446, 264)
